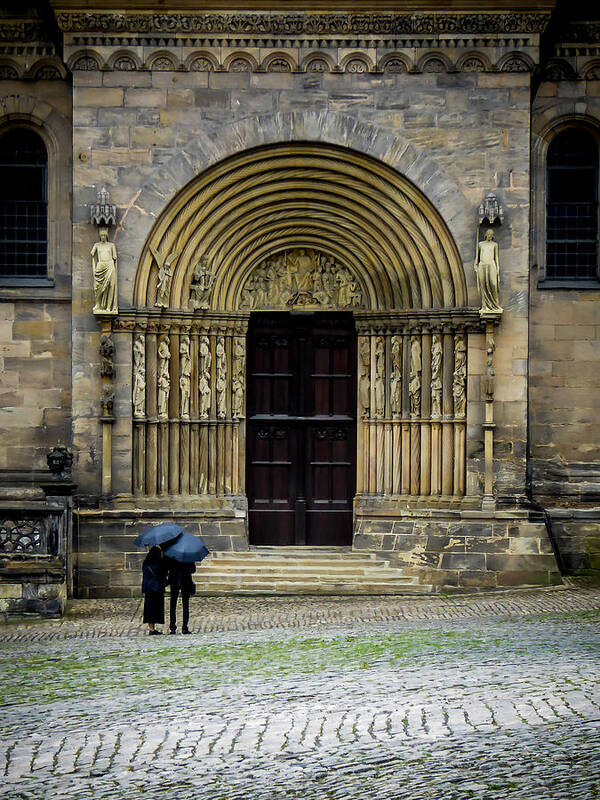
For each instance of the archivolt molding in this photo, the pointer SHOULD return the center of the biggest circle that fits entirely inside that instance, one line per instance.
(359, 211)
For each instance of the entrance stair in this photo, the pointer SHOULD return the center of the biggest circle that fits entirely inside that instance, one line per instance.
(302, 571)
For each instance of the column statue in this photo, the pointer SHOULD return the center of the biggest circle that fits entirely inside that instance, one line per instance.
(436, 376)
(104, 266)
(164, 381)
(396, 379)
(185, 375)
(459, 376)
(380, 376)
(139, 377)
(221, 382)
(204, 377)
(364, 381)
(487, 270)
(414, 387)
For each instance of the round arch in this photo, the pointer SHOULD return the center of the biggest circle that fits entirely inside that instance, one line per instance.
(305, 194)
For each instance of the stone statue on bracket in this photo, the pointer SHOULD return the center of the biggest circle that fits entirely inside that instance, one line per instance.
(459, 376)
(104, 267)
(164, 380)
(436, 376)
(396, 377)
(205, 359)
(364, 381)
(221, 380)
(487, 269)
(414, 386)
(380, 376)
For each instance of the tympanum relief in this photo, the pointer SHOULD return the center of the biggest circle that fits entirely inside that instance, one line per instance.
(301, 277)
(203, 278)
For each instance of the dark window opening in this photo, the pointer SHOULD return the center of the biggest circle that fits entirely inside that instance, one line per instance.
(24, 205)
(572, 207)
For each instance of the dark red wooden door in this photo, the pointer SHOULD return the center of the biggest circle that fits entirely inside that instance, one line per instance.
(301, 428)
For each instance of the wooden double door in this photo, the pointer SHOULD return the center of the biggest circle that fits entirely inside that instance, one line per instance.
(301, 436)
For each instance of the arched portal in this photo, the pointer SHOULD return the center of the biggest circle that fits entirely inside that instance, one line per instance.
(313, 228)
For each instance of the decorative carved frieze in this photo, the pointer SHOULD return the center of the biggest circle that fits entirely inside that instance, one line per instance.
(298, 24)
(301, 277)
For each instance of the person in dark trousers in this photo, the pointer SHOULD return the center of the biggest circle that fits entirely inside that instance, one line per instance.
(180, 580)
(154, 579)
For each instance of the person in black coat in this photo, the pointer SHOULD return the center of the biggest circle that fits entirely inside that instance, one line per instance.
(180, 580)
(154, 579)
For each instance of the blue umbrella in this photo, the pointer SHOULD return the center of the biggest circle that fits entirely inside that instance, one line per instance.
(187, 548)
(158, 534)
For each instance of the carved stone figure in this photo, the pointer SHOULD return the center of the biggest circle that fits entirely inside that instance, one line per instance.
(139, 376)
(487, 269)
(107, 351)
(300, 277)
(107, 401)
(364, 381)
(204, 377)
(436, 375)
(414, 387)
(104, 266)
(490, 373)
(237, 384)
(185, 375)
(164, 381)
(163, 286)
(396, 377)
(202, 283)
(380, 376)
(459, 376)
(221, 382)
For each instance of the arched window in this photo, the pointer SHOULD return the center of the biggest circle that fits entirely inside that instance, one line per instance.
(24, 205)
(572, 206)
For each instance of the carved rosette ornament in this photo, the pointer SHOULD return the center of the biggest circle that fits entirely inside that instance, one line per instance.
(164, 380)
(301, 277)
(139, 376)
(205, 360)
(414, 387)
(221, 381)
(185, 376)
(237, 383)
(436, 376)
(396, 377)
(459, 376)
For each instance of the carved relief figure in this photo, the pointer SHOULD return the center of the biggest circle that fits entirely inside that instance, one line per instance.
(104, 266)
(364, 381)
(414, 387)
(490, 373)
(163, 286)
(396, 377)
(107, 351)
(487, 269)
(380, 376)
(204, 377)
(139, 376)
(436, 375)
(237, 385)
(300, 276)
(185, 375)
(202, 283)
(460, 374)
(164, 381)
(221, 383)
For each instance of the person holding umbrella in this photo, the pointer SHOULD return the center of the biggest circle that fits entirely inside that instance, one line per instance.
(182, 555)
(154, 579)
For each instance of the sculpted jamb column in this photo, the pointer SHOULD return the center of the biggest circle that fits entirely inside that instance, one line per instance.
(448, 412)
(139, 411)
(405, 482)
(205, 390)
(174, 408)
(489, 502)
(460, 408)
(388, 431)
(396, 410)
(185, 407)
(164, 391)
(107, 397)
(425, 415)
(221, 408)
(436, 412)
(238, 404)
(379, 376)
(415, 392)
(364, 410)
(151, 409)
(194, 414)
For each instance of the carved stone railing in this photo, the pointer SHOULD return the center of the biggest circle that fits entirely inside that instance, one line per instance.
(29, 533)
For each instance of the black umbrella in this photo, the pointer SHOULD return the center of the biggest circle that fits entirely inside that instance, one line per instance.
(187, 548)
(158, 534)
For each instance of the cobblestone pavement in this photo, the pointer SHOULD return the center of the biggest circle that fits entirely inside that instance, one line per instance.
(493, 697)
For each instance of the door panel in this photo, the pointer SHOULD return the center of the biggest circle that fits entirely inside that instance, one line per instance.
(301, 428)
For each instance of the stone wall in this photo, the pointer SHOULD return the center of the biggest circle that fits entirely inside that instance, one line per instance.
(565, 342)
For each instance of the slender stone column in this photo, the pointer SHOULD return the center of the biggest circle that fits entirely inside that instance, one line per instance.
(448, 411)
(489, 502)
(151, 413)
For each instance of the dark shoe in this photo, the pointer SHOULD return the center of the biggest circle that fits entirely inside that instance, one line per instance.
(185, 630)
(173, 630)
(154, 633)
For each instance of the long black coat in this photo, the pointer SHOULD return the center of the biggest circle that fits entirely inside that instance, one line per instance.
(154, 578)
(180, 576)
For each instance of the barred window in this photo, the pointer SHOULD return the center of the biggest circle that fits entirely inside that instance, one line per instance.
(572, 206)
(24, 205)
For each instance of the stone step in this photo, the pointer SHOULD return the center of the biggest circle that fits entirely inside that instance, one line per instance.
(300, 575)
(310, 587)
(296, 553)
(357, 567)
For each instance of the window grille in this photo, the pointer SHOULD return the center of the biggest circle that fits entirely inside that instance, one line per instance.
(572, 206)
(24, 205)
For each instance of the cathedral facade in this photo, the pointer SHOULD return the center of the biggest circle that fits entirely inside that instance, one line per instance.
(318, 278)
